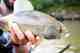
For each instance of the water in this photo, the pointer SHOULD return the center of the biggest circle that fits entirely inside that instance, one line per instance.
(74, 28)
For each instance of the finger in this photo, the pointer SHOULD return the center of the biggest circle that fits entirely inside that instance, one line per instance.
(30, 36)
